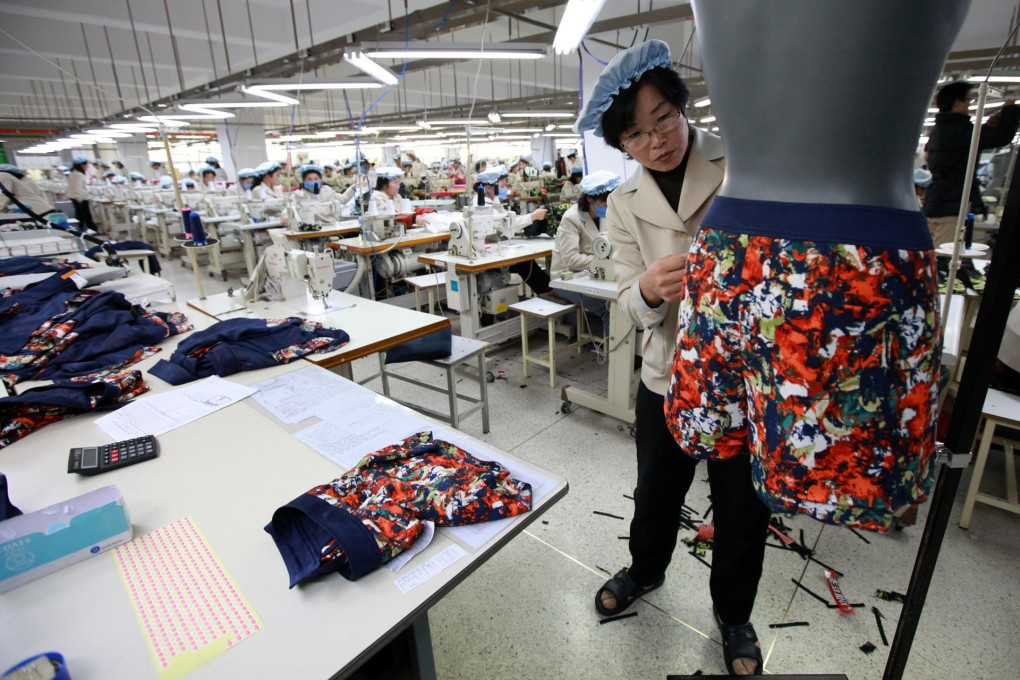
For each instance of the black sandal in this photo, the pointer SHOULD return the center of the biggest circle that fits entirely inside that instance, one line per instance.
(739, 642)
(623, 588)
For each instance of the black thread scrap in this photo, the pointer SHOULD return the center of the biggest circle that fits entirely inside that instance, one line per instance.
(881, 628)
(707, 511)
(868, 648)
(629, 498)
(602, 569)
(835, 571)
(789, 624)
(610, 619)
(700, 559)
(624, 538)
(802, 542)
(606, 514)
(545, 521)
(860, 536)
(811, 593)
(890, 596)
(855, 605)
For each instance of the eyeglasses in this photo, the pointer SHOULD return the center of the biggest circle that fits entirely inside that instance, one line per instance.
(640, 140)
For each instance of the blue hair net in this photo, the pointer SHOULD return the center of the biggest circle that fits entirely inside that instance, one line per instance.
(489, 176)
(208, 170)
(577, 170)
(109, 173)
(389, 172)
(922, 177)
(212, 159)
(621, 72)
(266, 168)
(153, 164)
(12, 170)
(79, 160)
(137, 175)
(246, 173)
(310, 167)
(166, 181)
(600, 182)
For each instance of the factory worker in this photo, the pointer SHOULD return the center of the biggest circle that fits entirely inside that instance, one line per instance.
(387, 188)
(214, 163)
(532, 274)
(137, 179)
(571, 188)
(209, 177)
(269, 185)
(155, 171)
(456, 172)
(78, 194)
(246, 180)
(108, 175)
(188, 184)
(407, 166)
(119, 168)
(579, 226)
(312, 185)
(547, 171)
(329, 177)
(16, 181)
(417, 167)
(346, 177)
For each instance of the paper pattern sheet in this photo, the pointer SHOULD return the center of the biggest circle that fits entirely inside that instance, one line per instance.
(189, 608)
(161, 413)
(295, 396)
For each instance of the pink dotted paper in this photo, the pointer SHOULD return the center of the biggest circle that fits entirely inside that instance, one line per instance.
(188, 606)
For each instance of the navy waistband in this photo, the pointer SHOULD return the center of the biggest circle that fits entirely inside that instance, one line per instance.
(864, 225)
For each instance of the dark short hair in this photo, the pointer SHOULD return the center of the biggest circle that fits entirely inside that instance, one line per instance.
(619, 117)
(585, 200)
(958, 90)
(381, 182)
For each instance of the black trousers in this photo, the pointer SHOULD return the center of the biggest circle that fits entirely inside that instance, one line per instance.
(533, 275)
(83, 213)
(741, 520)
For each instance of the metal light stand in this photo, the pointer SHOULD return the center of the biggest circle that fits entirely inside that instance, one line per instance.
(988, 329)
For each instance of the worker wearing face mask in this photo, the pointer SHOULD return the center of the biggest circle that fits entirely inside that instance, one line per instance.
(579, 226)
(246, 180)
(313, 190)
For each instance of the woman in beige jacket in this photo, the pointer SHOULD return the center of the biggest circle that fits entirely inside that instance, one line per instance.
(638, 105)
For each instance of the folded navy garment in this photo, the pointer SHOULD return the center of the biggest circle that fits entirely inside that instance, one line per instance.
(432, 346)
(30, 264)
(237, 345)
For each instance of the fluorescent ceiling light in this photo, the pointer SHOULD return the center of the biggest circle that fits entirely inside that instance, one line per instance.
(540, 114)
(359, 61)
(995, 79)
(550, 127)
(424, 124)
(465, 121)
(707, 119)
(108, 133)
(576, 20)
(933, 110)
(453, 51)
(991, 105)
(564, 127)
(702, 102)
(290, 86)
(494, 117)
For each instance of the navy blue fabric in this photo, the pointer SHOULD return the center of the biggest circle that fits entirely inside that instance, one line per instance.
(862, 225)
(154, 267)
(236, 345)
(432, 346)
(7, 509)
(24, 311)
(302, 526)
(29, 264)
(110, 330)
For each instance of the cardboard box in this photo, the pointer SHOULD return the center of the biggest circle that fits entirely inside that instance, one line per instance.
(39, 543)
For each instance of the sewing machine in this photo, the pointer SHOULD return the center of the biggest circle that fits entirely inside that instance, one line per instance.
(602, 266)
(294, 275)
(467, 236)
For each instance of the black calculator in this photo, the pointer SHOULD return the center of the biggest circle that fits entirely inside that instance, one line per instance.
(93, 460)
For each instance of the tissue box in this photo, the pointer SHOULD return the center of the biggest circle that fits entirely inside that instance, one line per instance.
(39, 543)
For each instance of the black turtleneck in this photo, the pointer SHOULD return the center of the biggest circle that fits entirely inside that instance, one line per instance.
(671, 182)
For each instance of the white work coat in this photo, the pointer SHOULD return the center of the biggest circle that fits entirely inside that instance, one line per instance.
(574, 239)
(643, 227)
(26, 191)
(76, 190)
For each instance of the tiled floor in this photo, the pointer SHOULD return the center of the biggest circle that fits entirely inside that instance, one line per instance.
(528, 612)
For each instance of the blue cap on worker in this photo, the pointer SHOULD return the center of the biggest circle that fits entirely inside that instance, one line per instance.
(310, 167)
(622, 71)
(389, 172)
(489, 176)
(600, 182)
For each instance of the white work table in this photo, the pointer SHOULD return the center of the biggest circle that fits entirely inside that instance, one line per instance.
(618, 402)
(465, 271)
(228, 471)
(373, 326)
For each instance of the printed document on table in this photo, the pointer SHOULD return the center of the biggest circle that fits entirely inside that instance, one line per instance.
(354, 428)
(424, 572)
(477, 535)
(293, 397)
(161, 413)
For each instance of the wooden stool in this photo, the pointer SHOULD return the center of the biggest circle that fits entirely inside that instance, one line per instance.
(1000, 409)
(429, 283)
(462, 351)
(550, 311)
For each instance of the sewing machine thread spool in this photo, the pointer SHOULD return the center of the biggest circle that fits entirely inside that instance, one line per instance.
(197, 230)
